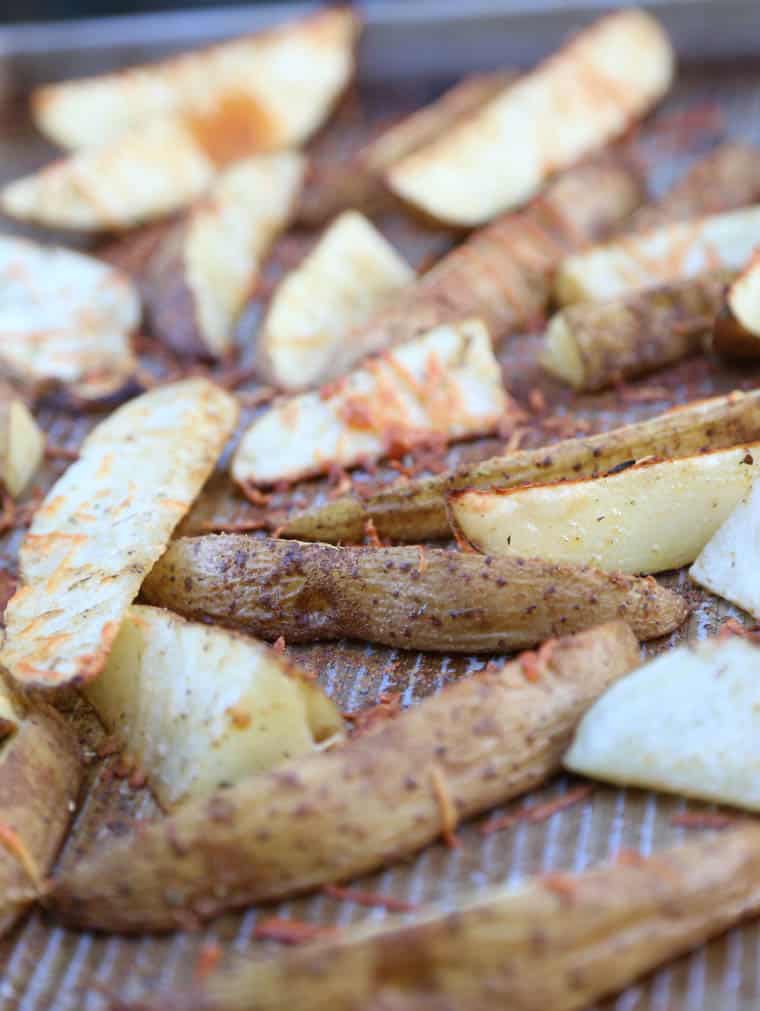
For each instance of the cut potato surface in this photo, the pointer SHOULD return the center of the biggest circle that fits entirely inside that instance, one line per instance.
(267, 90)
(104, 524)
(737, 327)
(198, 708)
(65, 318)
(200, 275)
(22, 444)
(729, 564)
(444, 385)
(670, 253)
(9, 715)
(686, 722)
(352, 271)
(647, 518)
(589, 92)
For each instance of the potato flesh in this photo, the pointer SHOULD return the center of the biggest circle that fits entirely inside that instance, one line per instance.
(9, 716)
(363, 804)
(417, 511)
(606, 928)
(289, 75)
(687, 722)
(351, 272)
(64, 318)
(444, 385)
(674, 252)
(647, 518)
(434, 599)
(103, 525)
(582, 97)
(23, 446)
(728, 563)
(199, 708)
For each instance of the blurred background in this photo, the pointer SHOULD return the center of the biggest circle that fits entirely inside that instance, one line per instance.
(13, 11)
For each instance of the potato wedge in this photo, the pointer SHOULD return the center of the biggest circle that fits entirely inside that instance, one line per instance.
(737, 326)
(724, 180)
(22, 443)
(357, 181)
(444, 385)
(574, 103)
(104, 524)
(503, 274)
(727, 564)
(646, 518)
(65, 319)
(687, 722)
(200, 275)
(592, 345)
(417, 511)
(40, 775)
(558, 942)
(436, 600)
(199, 708)
(350, 273)
(263, 91)
(675, 252)
(368, 802)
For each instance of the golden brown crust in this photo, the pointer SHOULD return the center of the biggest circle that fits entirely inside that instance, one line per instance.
(406, 597)
(356, 807)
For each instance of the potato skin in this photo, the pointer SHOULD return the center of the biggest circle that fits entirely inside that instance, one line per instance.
(628, 337)
(542, 947)
(40, 776)
(432, 599)
(361, 805)
(417, 511)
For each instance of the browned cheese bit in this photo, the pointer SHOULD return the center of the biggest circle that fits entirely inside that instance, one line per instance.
(414, 598)
(417, 510)
(593, 345)
(561, 941)
(361, 805)
(502, 274)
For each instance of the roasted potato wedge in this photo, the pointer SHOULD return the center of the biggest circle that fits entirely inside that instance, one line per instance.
(350, 273)
(381, 795)
(417, 511)
(103, 525)
(201, 273)
(585, 95)
(446, 385)
(65, 318)
(357, 181)
(22, 443)
(727, 564)
(503, 274)
(737, 326)
(431, 599)
(674, 252)
(646, 518)
(199, 708)
(40, 775)
(724, 180)
(687, 722)
(592, 345)
(263, 91)
(560, 941)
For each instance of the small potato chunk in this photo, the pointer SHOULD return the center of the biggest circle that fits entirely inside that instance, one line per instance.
(351, 272)
(687, 722)
(199, 708)
(647, 518)
(737, 327)
(729, 564)
(22, 444)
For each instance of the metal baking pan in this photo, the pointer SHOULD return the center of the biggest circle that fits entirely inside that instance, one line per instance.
(409, 50)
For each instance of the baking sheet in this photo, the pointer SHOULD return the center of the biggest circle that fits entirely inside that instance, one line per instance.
(46, 967)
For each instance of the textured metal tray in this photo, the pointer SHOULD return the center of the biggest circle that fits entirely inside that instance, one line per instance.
(45, 967)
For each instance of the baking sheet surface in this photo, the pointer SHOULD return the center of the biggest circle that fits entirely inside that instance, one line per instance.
(46, 967)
